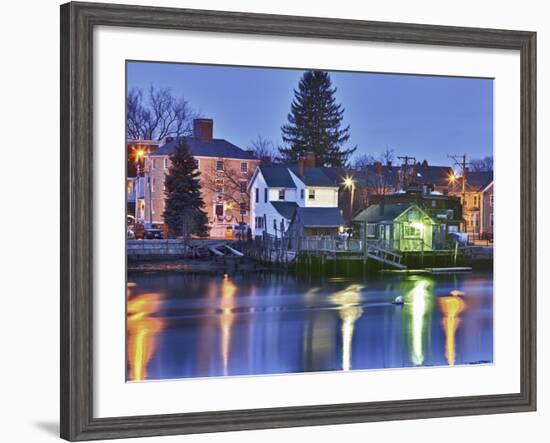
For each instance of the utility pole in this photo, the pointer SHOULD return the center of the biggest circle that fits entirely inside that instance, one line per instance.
(460, 162)
(405, 167)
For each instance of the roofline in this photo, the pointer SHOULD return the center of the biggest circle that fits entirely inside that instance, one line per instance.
(489, 184)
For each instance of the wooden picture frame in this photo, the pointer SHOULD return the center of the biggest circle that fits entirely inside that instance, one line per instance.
(77, 217)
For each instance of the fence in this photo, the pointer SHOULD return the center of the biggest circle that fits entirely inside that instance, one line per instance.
(331, 244)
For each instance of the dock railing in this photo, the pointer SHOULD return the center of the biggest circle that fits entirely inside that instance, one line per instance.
(331, 244)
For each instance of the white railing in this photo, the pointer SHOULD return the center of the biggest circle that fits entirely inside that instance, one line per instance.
(331, 245)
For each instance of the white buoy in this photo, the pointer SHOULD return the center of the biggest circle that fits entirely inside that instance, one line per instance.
(398, 300)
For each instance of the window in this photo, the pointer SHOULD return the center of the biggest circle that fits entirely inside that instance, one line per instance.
(153, 184)
(197, 164)
(476, 200)
(311, 194)
(242, 208)
(371, 230)
(219, 185)
(411, 231)
(243, 187)
(219, 165)
(154, 164)
(259, 222)
(281, 194)
(491, 219)
(302, 194)
(275, 223)
(265, 195)
(166, 163)
(491, 200)
(219, 210)
(257, 192)
(244, 167)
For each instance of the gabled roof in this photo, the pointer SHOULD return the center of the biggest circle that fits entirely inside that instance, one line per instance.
(374, 214)
(217, 147)
(436, 175)
(319, 217)
(478, 180)
(285, 209)
(314, 177)
(277, 176)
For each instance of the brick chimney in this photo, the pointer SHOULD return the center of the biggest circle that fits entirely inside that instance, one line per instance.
(309, 160)
(301, 165)
(203, 129)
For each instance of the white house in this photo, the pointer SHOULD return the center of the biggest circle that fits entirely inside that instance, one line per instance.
(277, 190)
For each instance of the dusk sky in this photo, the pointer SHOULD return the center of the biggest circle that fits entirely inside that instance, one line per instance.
(421, 116)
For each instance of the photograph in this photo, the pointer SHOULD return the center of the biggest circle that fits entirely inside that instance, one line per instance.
(298, 220)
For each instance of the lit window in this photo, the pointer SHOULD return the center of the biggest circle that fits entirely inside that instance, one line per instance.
(244, 167)
(219, 165)
(281, 194)
(311, 194)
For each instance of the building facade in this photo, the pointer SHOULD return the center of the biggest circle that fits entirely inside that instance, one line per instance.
(478, 203)
(278, 190)
(225, 171)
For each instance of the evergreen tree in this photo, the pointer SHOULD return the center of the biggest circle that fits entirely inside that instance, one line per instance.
(315, 123)
(183, 212)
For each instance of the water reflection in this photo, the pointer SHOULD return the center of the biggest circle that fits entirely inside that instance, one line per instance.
(143, 329)
(418, 307)
(182, 325)
(227, 304)
(349, 310)
(451, 307)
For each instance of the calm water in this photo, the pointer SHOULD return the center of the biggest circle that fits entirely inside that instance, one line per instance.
(202, 326)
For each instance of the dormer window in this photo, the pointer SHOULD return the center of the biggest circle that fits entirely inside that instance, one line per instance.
(281, 194)
(311, 194)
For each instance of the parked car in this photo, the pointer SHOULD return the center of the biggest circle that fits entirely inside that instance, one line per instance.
(147, 232)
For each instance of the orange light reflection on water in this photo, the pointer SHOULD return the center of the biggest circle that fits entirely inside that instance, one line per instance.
(142, 332)
(451, 307)
(227, 304)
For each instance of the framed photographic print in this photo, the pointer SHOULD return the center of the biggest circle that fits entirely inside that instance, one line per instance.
(272, 221)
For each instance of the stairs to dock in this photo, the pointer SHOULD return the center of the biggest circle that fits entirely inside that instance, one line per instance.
(385, 256)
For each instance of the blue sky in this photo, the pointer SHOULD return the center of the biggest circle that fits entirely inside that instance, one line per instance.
(422, 116)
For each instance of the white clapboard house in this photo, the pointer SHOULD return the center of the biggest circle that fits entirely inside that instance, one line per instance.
(276, 191)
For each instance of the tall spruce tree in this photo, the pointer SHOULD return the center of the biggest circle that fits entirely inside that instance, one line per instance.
(183, 204)
(315, 123)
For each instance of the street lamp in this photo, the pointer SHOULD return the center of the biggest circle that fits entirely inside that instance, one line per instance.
(349, 183)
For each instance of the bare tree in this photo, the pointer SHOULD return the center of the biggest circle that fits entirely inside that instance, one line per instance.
(157, 114)
(482, 164)
(387, 156)
(363, 161)
(231, 185)
(263, 148)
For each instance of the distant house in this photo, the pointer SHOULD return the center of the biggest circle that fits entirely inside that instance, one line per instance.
(315, 222)
(225, 171)
(478, 203)
(276, 191)
(401, 227)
